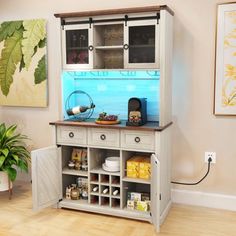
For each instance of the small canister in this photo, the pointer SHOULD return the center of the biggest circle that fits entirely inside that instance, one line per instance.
(84, 166)
(85, 194)
(68, 192)
(71, 165)
(75, 194)
(77, 165)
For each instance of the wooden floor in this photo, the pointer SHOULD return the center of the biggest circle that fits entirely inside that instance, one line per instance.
(18, 219)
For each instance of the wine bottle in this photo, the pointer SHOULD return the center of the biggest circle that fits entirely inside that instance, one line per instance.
(105, 190)
(115, 192)
(95, 189)
(78, 110)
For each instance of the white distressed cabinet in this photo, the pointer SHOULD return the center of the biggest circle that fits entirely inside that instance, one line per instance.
(50, 174)
(124, 39)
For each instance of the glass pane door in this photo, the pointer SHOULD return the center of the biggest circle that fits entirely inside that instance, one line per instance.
(142, 44)
(77, 42)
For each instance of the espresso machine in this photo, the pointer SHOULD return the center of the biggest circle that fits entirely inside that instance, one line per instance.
(137, 111)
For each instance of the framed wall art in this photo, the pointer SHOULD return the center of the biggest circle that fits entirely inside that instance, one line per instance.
(23, 74)
(225, 65)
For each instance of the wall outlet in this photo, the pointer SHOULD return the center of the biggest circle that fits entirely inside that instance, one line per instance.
(211, 155)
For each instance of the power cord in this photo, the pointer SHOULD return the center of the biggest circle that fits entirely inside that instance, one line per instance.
(208, 170)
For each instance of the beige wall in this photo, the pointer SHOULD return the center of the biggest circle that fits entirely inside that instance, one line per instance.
(196, 129)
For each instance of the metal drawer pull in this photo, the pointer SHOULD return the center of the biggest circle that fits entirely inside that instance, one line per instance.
(71, 135)
(137, 139)
(102, 136)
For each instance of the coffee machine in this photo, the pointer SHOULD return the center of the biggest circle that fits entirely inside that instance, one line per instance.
(137, 111)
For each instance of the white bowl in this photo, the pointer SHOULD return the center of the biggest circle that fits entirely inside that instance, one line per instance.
(110, 169)
(113, 162)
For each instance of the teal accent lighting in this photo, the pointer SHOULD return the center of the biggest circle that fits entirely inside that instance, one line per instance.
(111, 90)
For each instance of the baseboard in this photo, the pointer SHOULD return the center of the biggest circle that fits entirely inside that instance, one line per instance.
(212, 200)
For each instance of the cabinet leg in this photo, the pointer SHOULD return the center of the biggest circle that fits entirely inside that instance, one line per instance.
(9, 189)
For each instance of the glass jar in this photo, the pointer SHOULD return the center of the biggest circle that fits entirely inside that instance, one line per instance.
(84, 194)
(84, 166)
(71, 165)
(75, 194)
(77, 165)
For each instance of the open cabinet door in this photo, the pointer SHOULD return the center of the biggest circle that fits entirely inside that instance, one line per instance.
(46, 177)
(155, 191)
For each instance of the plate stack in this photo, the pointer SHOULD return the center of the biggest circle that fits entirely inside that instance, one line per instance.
(111, 164)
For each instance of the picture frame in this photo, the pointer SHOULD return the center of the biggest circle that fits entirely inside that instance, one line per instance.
(225, 60)
(23, 63)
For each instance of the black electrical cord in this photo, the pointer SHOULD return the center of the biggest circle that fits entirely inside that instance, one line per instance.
(208, 170)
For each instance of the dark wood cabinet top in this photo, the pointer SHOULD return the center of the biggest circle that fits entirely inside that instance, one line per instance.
(114, 11)
(149, 126)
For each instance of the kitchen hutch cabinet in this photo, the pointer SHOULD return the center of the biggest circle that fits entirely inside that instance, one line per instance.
(111, 42)
(111, 46)
(127, 39)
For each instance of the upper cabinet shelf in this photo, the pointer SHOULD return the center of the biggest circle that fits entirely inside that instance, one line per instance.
(124, 39)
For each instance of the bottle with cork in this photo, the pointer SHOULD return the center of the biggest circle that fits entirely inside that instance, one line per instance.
(78, 109)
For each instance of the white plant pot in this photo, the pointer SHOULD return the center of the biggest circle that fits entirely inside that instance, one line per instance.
(4, 184)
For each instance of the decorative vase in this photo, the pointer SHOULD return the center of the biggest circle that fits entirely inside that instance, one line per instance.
(4, 181)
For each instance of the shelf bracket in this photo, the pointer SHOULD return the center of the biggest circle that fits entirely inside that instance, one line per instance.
(90, 22)
(63, 22)
(126, 19)
(158, 17)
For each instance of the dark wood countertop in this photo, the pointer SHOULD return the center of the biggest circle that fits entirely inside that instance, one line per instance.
(114, 11)
(149, 126)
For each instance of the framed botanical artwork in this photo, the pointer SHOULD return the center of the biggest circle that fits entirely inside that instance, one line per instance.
(225, 64)
(23, 77)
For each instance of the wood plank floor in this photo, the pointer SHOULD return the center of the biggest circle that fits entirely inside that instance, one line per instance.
(18, 219)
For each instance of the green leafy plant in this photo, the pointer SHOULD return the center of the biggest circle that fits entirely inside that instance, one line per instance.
(13, 152)
(21, 42)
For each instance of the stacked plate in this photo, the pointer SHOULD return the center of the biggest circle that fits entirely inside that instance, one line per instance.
(111, 164)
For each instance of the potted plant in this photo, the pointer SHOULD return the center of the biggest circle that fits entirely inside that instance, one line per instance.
(13, 155)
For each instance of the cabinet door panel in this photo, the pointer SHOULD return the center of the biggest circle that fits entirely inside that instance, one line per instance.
(155, 191)
(142, 38)
(46, 177)
(77, 46)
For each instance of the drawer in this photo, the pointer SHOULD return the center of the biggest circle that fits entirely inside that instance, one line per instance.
(138, 140)
(104, 137)
(71, 135)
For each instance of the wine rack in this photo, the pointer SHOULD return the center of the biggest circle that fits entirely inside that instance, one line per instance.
(105, 186)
